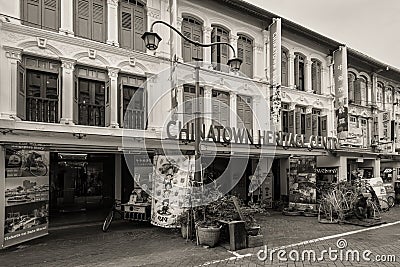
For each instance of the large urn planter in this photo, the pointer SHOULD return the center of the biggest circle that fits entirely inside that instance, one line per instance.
(208, 235)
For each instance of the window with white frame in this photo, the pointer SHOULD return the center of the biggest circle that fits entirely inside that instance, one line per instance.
(245, 53)
(299, 71)
(316, 76)
(285, 67)
(192, 28)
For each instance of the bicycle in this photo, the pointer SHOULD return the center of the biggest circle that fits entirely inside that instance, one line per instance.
(116, 208)
(33, 163)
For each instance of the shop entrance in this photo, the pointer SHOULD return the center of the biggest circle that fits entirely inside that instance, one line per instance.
(81, 187)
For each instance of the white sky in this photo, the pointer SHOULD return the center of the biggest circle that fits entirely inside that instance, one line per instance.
(369, 26)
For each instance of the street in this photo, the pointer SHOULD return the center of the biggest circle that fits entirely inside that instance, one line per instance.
(134, 244)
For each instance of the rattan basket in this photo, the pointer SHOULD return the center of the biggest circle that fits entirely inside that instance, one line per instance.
(208, 235)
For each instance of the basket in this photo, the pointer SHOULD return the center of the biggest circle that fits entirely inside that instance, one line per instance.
(208, 235)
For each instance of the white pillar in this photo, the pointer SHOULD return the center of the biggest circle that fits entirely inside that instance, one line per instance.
(67, 17)
(9, 82)
(207, 106)
(308, 80)
(112, 25)
(67, 90)
(178, 40)
(258, 61)
(233, 39)
(233, 108)
(113, 75)
(291, 69)
(207, 39)
(266, 54)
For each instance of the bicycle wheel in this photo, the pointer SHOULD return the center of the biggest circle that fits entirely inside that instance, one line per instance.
(384, 205)
(107, 221)
(40, 169)
(391, 201)
(375, 213)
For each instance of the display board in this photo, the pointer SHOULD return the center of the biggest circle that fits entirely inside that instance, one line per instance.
(170, 188)
(302, 182)
(26, 194)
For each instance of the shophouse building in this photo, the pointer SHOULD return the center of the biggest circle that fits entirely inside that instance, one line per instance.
(69, 68)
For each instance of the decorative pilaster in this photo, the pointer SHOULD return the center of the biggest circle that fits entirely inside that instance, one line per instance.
(258, 61)
(67, 111)
(112, 17)
(113, 76)
(9, 83)
(265, 34)
(67, 17)
(207, 39)
(291, 69)
(307, 78)
(233, 108)
(207, 106)
(178, 40)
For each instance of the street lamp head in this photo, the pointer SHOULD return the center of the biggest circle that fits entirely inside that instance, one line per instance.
(151, 40)
(234, 64)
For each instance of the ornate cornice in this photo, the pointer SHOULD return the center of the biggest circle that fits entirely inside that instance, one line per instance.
(13, 52)
(113, 72)
(68, 63)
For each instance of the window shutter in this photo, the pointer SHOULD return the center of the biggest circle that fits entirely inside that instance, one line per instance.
(224, 48)
(296, 71)
(140, 27)
(126, 31)
(198, 37)
(297, 122)
(76, 97)
(357, 92)
(315, 124)
(308, 126)
(121, 105)
(107, 103)
(32, 13)
(21, 87)
(50, 14)
(82, 23)
(187, 47)
(291, 122)
(99, 21)
(324, 122)
(284, 67)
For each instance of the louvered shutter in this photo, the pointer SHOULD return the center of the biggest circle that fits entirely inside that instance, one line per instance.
(197, 33)
(126, 26)
(308, 126)
(298, 122)
(296, 71)
(324, 122)
(32, 13)
(315, 124)
(82, 23)
(187, 47)
(248, 114)
(224, 48)
(21, 87)
(76, 97)
(291, 121)
(245, 52)
(107, 103)
(50, 14)
(284, 69)
(140, 26)
(98, 20)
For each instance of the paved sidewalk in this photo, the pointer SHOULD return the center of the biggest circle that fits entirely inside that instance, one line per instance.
(135, 244)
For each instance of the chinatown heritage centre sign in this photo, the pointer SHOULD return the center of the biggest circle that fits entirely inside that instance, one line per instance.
(227, 135)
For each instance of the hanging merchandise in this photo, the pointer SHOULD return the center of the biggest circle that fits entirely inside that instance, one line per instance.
(170, 188)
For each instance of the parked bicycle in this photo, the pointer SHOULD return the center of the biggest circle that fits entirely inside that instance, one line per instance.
(33, 162)
(116, 209)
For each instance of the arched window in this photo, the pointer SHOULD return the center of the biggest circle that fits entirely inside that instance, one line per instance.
(360, 91)
(219, 53)
(351, 77)
(389, 95)
(245, 53)
(285, 67)
(132, 19)
(193, 29)
(299, 69)
(316, 74)
(379, 94)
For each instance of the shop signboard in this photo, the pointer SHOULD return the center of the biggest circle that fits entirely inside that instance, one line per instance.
(341, 91)
(170, 188)
(275, 70)
(302, 182)
(26, 194)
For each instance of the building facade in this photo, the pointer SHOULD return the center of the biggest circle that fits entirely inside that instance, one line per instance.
(69, 69)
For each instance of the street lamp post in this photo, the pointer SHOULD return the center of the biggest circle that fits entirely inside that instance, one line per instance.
(151, 40)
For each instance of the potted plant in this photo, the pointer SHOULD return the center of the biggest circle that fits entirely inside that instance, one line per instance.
(183, 221)
(208, 232)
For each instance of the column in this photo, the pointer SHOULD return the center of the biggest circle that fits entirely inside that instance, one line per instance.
(266, 53)
(9, 83)
(233, 41)
(178, 40)
(67, 90)
(207, 106)
(112, 25)
(207, 39)
(374, 88)
(258, 62)
(307, 76)
(233, 109)
(291, 69)
(113, 75)
(328, 80)
(67, 17)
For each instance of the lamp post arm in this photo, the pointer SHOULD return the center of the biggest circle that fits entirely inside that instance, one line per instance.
(190, 40)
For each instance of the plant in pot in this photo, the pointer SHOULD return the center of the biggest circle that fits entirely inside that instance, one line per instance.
(208, 232)
(183, 221)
